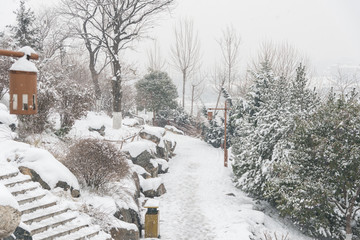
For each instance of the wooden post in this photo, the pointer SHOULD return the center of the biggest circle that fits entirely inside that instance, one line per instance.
(9, 53)
(225, 150)
(225, 130)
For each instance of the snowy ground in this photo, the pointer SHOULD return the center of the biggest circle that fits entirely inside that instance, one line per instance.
(197, 204)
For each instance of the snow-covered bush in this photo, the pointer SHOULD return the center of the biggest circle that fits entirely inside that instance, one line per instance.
(213, 133)
(96, 162)
(73, 102)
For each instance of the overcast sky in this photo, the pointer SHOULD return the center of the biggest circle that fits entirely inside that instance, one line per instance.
(327, 31)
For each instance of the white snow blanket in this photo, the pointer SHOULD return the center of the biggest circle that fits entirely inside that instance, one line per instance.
(97, 120)
(130, 122)
(6, 198)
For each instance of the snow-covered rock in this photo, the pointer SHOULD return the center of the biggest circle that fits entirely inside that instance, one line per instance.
(136, 148)
(128, 232)
(153, 134)
(152, 187)
(43, 163)
(10, 215)
(142, 153)
(174, 130)
(163, 165)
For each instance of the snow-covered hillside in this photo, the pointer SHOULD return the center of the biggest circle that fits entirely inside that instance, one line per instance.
(201, 201)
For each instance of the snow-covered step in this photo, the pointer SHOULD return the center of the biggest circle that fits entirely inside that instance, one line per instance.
(43, 213)
(84, 233)
(6, 175)
(23, 187)
(62, 230)
(61, 219)
(44, 202)
(30, 196)
(19, 178)
(8, 170)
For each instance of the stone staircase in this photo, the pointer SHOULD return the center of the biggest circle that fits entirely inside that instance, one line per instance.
(47, 219)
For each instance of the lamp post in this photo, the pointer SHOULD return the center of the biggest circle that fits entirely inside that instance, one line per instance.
(225, 116)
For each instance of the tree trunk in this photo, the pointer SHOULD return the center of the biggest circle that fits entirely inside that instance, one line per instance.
(229, 78)
(95, 80)
(117, 95)
(183, 95)
(192, 99)
(154, 117)
(348, 225)
(116, 87)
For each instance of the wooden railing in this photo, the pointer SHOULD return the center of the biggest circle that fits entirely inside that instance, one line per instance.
(122, 141)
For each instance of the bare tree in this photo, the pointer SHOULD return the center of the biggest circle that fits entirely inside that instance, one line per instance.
(283, 58)
(121, 22)
(116, 24)
(219, 79)
(229, 44)
(186, 51)
(80, 14)
(197, 89)
(344, 79)
(155, 61)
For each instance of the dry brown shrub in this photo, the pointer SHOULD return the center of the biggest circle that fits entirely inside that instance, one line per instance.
(96, 163)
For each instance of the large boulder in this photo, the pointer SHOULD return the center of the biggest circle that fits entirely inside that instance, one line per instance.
(152, 187)
(153, 134)
(10, 216)
(150, 137)
(151, 193)
(124, 234)
(145, 160)
(165, 149)
(9, 220)
(141, 153)
(130, 216)
(36, 178)
(141, 171)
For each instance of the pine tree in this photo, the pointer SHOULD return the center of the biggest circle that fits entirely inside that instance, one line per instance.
(266, 121)
(24, 32)
(327, 152)
(156, 92)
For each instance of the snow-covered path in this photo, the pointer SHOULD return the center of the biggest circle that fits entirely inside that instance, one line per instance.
(202, 203)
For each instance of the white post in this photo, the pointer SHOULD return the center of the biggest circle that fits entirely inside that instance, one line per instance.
(348, 237)
(98, 105)
(117, 120)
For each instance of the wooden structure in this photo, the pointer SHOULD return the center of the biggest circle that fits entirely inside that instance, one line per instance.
(152, 217)
(210, 115)
(224, 145)
(23, 87)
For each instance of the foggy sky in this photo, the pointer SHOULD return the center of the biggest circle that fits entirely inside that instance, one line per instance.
(327, 31)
